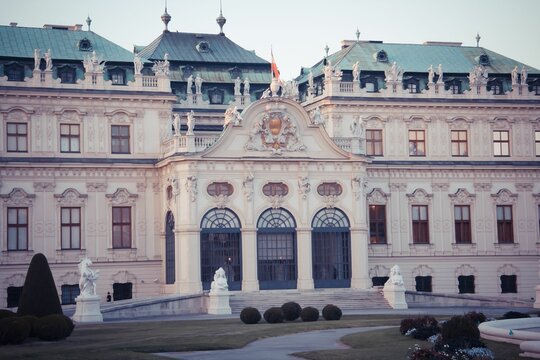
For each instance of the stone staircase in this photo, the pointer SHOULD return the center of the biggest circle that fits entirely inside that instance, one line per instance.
(346, 299)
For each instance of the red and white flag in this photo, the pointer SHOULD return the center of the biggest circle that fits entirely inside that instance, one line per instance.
(275, 71)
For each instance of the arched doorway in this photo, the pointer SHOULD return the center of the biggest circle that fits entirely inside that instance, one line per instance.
(331, 249)
(276, 250)
(221, 246)
(169, 249)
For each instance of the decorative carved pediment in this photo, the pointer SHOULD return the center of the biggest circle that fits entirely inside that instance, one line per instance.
(462, 196)
(422, 270)
(71, 278)
(378, 271)
(15, 280)
(419, 196)
(507, 269)
(377, 197)
(122, 196)
(220, 201)
(504, 196)
(71, 197)
(465, 270)
(18, 197)
(330, 201)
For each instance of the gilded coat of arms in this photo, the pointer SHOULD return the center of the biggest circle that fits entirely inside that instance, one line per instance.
(275, 132)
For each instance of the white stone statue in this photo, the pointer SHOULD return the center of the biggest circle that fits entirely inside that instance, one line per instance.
(328, 71)
(175, 186)
(190, 122)
(515, 75)
(137, 64)
(232, 116)
(310, 80)
(48, 60)
(431, 74)
(87, 281)
(356, 71)
(304, 187)
(191, 187)
(37, 58)
(161, 68)
(395, 278)
(189, 89)
(357, 127)
(176, 124)
(394, 73)
(247, 186)
(289, 89)
(198, 84)
(523, 75)
(266, 93)
(440, 74)
(316, 117)
(237, 84)
(246, 87)
(220, 282)
(478, 76)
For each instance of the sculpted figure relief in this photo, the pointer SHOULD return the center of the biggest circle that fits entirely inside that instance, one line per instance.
(395, 278)
(232, 116)
(220, 282)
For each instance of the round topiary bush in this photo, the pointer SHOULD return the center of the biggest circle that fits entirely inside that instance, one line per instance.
(6, 314)
(53, 327)
(273, 315)
(476, 317)
(459, 326)
(291, 310)
(331, 312)
(309, 314)
(13, 330)
(250, 315)
(31, 320)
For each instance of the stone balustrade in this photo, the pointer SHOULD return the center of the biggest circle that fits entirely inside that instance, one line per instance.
(187, 143)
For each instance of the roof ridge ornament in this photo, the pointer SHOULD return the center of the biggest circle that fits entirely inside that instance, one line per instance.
(478, 37)
(88, 22)
(166, 18)
(221, 20)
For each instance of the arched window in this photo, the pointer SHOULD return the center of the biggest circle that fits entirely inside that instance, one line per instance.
(276, 250)
(331, 249)
(221, 246)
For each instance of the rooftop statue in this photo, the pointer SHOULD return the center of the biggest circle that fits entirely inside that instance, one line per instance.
(137, 64)
(440, 74)
(356, 71)
(237, 84)
(431, 74)
(48, 60)
(394, 73)
(190, 122)
(189, 89)
(232, 116)
(246, 86)
(176, 124)
(37, 59)
(523, 75)
(198, 84)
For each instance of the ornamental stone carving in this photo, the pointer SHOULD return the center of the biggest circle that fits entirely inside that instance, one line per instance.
(524, 187)
(358, 185)
(96, 187)
(191, 187)
(330, 201)
(465, 270)
(397, 187)
(18, 197)
(275, 132)
(304, 187)
(422, 270)
(377, 197)
(440, 186)
(275, 201)
(419, 196)
(507, 269)
(141, 187)
(220, 200)
(44, 186)
(247, 187)
(504, 196)
(482, 187)
(122, 196)
(462, 196)
(71, 197)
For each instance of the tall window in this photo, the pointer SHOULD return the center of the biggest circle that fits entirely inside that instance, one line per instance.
(501, 143)
(466, 284)
(420, 224)
(70, 138)
(69, 293)
(537, 142)
(508, 284)
(121, 227)
(17, 137)
(118, 77)
(459, 143)
(17, 229)
(505, 228)
(462, 222)
(423, 283)
(13, 296)
(417, 143)
(377, 224)
(374, 143)
(120, 139)
(70, 218)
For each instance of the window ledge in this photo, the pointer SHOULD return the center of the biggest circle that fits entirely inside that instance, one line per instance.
(506, 245)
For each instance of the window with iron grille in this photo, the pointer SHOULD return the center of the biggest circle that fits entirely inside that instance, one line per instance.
(69, 293)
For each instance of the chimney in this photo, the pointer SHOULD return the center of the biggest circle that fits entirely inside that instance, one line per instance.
(13, 24)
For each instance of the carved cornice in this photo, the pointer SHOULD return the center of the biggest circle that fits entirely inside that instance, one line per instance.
(440, 186)
(18, 197)
(419, 196)
(478, 187)
(122, 196)
(504, 196)
(71, 197)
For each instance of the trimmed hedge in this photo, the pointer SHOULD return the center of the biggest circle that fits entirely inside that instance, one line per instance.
(13, 330)
(6, 314)
(291, 310)
(250, 315)
(31, 320)
(273, 315)
(309, 314)
(331, 312)
(53, 327)
(476, 317)
(515, 315)
(459, 327)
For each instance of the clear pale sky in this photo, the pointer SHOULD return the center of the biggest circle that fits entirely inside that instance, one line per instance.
(298, 30)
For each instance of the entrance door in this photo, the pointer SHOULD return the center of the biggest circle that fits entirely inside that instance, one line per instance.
(169, 249)
(331, 249)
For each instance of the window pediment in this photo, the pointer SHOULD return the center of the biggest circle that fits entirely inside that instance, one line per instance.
(377, 197)
(71, 197)
(504, 196)
(18, 197)
(419, 196)
(462, 196)
(122, 196)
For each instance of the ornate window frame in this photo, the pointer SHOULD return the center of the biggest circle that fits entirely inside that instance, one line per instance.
(122, 197)
(422, 198)
(505, 197)
(71, 198)
(18, 198)
(463, 197)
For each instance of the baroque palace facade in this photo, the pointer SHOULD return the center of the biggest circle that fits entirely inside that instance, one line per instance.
(165, 164)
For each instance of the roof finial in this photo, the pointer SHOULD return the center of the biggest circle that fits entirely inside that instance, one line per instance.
(88, 22)
(326, 49)
(478, 39)
(221, 20)
(166, 18)
(357, 35)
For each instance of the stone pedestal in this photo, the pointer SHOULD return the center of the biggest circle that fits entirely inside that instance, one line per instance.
(537, 301)
(88, 309)
(218, 303)
(395, 295)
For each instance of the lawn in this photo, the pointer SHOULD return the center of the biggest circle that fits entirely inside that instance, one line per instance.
(137, 340)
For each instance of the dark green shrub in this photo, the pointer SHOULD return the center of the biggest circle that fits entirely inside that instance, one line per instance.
(13, 330)
(425, 332)
(250, 315)
(476, 317)
(53, 327)
(291, 310)
(406, 325)
(459, 326)
(515, 315)
(309, 314)
(331, 312)
(39, 296)
(6, 314)
(273, 315)
(31, 320)
(419, 323)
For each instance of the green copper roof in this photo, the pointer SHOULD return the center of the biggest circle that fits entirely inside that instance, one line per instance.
(186, 47)
(416, 58)
(20, 42)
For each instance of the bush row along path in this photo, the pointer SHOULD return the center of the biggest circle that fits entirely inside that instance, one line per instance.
(279, 347)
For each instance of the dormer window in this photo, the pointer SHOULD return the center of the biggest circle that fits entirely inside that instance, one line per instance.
(14, 72)
(235, 72)
(496, 87)
(454, 86)
(66, 74)
(85, 45)
(203, 47)
(382, 56)
(413, 85)
(118, 76)
(483, 60)
(216, 96)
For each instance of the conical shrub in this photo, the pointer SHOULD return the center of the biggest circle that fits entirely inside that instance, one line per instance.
(39, 296)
